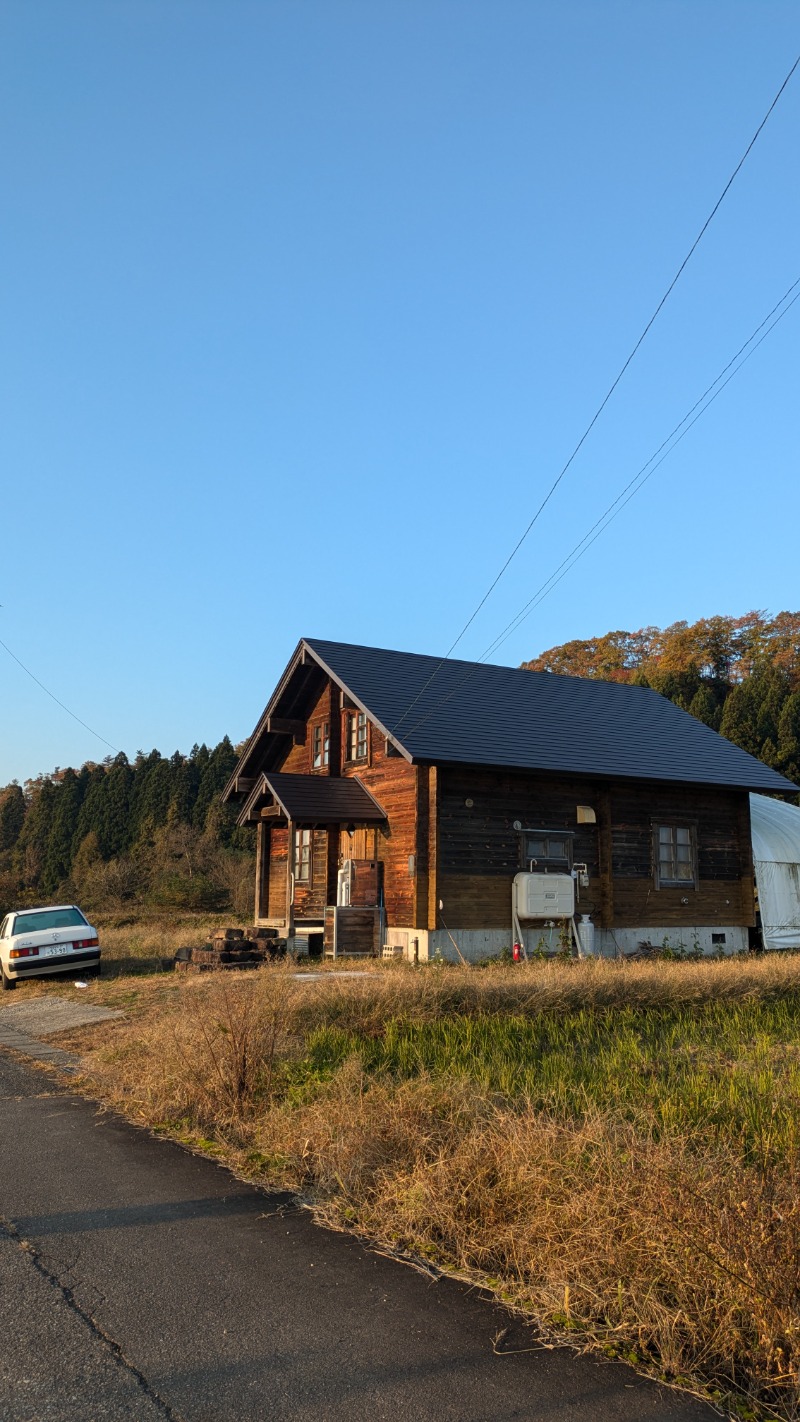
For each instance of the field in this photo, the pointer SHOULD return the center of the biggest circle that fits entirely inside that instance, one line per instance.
(613, 1149)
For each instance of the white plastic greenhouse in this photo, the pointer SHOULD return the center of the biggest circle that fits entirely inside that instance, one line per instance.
(775, 830)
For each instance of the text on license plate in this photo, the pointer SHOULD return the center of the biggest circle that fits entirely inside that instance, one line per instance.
(56, 951)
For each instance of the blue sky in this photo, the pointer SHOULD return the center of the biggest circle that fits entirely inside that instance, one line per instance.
(306, 304)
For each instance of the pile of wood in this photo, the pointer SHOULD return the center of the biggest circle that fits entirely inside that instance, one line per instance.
(233, 948)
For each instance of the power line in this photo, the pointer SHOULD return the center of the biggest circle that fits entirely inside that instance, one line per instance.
(53, 697)
(630, 490)
(545, 501)
(673, 440)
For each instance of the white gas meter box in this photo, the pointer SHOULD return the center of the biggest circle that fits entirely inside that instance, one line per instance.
(545, 895)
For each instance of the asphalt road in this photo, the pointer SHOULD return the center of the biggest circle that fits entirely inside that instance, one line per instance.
(140, 1282)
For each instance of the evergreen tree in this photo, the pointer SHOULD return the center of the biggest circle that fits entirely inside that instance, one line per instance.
(789, 738)
(219, 767)
(12, 816)
(705, 707)
(63, 828)
(31, 847)
(740, 718)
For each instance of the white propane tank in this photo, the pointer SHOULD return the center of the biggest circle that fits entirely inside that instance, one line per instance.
(586, 935)
(545, 895)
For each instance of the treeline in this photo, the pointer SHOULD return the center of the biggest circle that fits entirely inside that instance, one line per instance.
(740, 675)
(153, 831)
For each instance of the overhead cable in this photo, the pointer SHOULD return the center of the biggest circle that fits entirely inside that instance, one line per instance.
(630, 490)
(595, 417)
(53, 697)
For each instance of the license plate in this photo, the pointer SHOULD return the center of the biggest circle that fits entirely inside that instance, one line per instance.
(56, 951)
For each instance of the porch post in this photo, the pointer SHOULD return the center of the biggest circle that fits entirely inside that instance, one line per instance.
(290, 882)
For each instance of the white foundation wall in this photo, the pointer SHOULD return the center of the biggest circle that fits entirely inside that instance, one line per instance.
(476, 944)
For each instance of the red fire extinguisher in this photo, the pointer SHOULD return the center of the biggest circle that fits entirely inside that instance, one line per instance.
(517, 952)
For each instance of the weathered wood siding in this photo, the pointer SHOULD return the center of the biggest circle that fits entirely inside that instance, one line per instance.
(275, 873)
(479, 850)
(310, 896)
(393, 782)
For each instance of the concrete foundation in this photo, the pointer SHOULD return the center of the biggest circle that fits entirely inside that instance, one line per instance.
(476, 944)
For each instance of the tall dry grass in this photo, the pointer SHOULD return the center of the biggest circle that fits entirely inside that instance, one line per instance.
(638, 1188)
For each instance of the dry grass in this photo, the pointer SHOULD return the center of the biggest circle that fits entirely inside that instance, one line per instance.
(634, 1182)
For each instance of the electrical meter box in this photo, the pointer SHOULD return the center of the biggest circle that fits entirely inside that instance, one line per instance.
(545, 895)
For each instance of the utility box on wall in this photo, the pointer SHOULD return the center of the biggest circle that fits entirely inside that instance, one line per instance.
(545, 895)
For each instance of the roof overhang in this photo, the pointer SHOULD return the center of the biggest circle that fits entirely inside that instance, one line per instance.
(310, 800)
(291, 729)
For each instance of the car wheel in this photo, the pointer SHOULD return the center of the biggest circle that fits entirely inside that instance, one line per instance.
(8, 983)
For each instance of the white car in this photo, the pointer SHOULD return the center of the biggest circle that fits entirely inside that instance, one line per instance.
(37, 941)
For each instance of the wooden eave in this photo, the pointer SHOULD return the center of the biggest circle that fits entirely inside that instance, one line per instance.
(242, 780)
(311, 800)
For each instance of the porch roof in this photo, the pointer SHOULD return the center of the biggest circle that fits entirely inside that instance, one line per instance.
(313, 799)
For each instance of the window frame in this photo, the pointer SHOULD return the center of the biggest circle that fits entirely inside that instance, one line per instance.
(301, 861)
(661, 880)
(321, 745)
(356, 722)
(558, 863)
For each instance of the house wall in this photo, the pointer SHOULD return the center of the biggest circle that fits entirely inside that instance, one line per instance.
(450, 838)
(479, 850)
(394, 783)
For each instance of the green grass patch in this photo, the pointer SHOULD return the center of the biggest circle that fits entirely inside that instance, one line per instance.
(721, 1069)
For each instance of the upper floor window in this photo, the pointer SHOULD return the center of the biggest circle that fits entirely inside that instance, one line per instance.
(356, 735)
(548, 849)
(302, 855)
(675, 855)
(320, 745)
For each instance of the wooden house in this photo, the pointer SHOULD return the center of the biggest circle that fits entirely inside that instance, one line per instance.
(397, 797)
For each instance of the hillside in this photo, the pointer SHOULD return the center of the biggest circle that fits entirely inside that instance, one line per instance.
(740, 675)
(152, 832)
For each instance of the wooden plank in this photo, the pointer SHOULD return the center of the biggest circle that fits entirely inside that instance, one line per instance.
(276, 872)
(420, 850)
(747, 872)
(290, 883)
(332, 864)
(433, 848)
(262, 858)
(288, 726)
(605, 857)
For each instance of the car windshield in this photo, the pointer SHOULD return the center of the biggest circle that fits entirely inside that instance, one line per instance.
(45, 919)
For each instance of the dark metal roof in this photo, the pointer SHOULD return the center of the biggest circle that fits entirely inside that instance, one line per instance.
(476, 714)
(322, 799)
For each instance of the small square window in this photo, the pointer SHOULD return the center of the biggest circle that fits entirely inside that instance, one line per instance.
(549, 850)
